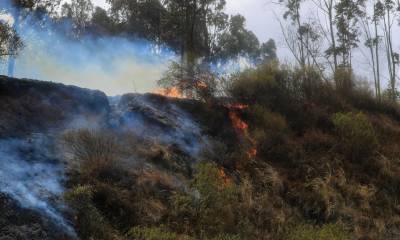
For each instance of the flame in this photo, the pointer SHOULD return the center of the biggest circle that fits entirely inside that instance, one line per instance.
(172, 92)
(202, 85)
(238, 106)
(242, 128)
(252, 153)
(224, 176)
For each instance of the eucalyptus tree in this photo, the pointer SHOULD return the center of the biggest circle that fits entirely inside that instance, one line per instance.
(348, 13)
(387, 11)
(10, 42)
(370, 23)
(327, 7)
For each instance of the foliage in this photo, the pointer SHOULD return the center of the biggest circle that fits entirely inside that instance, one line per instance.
(10, 42)
(196, 82)
(90, 222)
(213, 200)
(311, 232)
(140, 233)
(356, 134)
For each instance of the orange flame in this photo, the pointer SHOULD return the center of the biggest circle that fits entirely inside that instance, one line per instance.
(239, 125)
(242, 128)
(224, 176)
(202, 85)
(252, 153)
(172, 92)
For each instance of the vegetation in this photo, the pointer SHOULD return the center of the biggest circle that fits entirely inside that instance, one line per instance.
(325, 167)
(299, 152)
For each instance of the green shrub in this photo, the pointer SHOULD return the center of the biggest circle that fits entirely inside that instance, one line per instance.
(311, 232)
(226, 237)
(90, 223)
(212, 206)
(357, 136)
(344, 79)
(155, 233)
(266, 85)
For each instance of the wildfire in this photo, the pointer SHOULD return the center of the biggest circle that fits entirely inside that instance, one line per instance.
(238, 106)
(224, 176)
(252, 153)
(242, 128)
(172, 92)
(202, 85)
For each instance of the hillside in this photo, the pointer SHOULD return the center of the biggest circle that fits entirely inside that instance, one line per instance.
(273, 161)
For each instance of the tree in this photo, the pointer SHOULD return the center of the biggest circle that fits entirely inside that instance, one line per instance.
(347, 17)
(373, 43)
(387, 11)
(81, 13)
(10, 42)
(295, 41)
(139, 18)
(193, 20)
(301, 37)
(237, 41)
(328, 9)
(20, 9)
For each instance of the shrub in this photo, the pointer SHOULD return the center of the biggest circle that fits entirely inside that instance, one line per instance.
(226, 237)
(155, 233)
(357, 136)
(311, 232)
(94, 154)
(344, 79)
(210, 209)
(266, 85)
(89, 221)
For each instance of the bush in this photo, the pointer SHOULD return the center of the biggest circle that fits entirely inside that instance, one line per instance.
(89, 221)
(357, 136)
(94, 154)
(310, 232)
(155, 233)
(210, 210)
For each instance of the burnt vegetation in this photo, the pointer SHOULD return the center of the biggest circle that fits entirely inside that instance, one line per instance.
(289, 152)
(325, 167)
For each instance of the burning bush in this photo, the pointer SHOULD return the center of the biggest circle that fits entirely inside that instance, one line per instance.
(197, 82)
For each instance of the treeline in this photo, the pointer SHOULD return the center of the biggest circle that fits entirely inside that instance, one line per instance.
(197, 30)
(328, 39)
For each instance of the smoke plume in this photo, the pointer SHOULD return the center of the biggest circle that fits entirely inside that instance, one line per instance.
(115, 65)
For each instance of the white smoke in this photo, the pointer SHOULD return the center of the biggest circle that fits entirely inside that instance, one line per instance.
(115, 65)
(30, 174)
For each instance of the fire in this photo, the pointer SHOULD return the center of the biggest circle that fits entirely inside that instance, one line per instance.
(172, 92)
(242, 128)
(238, 106)
(202, 85)
(224, 176)
(238, 123)
(252, 153)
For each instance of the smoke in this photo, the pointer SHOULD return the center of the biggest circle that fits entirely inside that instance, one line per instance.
(31, 174)
(162, 121)
(115, 65)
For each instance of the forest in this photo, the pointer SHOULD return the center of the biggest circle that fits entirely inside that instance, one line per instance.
(299, 141)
